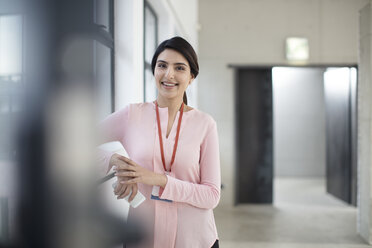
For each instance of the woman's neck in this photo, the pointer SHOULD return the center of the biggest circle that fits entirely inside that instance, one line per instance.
(172, 104)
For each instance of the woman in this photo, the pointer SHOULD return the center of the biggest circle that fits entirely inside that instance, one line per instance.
(174, 155)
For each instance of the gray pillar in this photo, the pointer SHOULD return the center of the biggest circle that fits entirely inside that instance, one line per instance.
(365, 125)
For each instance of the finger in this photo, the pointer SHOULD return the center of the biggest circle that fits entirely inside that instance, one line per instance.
(111, 163)
(134, 192)
(121, 157)
(117, 187)
(123, 166)
(119, 190)
(127, 160)
(125, 193)
(122, 191)
(130, 181)
(126, 173)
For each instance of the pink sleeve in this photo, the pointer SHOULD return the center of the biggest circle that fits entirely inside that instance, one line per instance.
(112, 128)
(206, 194)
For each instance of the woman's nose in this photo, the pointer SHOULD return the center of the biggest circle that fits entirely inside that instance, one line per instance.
(170, 72)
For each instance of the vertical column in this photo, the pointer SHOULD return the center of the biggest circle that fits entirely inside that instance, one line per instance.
(365, 125)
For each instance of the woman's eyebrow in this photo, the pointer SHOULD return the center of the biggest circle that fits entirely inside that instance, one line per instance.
(180, 64)
(162, 61)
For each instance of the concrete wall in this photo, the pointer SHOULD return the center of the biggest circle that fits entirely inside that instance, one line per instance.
(365, 125)
(299, 122)
(248, 32)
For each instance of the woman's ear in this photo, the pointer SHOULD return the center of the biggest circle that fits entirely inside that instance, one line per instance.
(192, 79)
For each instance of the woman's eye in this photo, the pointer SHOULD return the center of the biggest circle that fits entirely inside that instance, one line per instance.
(180, 68)
(161, 65)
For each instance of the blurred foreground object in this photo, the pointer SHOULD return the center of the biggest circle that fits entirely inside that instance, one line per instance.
(57, 199)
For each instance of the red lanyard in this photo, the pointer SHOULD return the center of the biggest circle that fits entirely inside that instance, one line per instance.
(161, 139)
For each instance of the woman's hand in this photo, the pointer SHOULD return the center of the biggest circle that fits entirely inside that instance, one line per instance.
(138, 174)
(121, 190)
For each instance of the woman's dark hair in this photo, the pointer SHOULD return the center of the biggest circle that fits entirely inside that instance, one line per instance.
(183, 47)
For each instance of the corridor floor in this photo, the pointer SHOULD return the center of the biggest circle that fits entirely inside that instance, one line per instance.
(303, 216)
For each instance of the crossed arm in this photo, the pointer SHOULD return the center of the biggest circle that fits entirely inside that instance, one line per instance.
(205, 194)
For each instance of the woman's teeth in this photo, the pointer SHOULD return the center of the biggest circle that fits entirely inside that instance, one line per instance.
(169, 84)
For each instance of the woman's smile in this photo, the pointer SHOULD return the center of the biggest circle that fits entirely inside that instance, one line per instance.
(168, 85)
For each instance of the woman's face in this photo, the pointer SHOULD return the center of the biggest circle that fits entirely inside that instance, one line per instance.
(172, 74)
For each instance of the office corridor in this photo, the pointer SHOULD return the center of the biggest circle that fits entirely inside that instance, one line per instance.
(303, 216)
(288, 84)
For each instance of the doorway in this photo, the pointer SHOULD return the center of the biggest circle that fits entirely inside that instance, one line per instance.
(303, 120)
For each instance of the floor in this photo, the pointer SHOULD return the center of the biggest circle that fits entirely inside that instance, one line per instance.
(303, 216)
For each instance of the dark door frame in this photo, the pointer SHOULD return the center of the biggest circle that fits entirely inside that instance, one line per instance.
(258, 160)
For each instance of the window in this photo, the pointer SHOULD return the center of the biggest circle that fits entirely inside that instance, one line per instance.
(11, 69)
(150, 44)
(104, 56)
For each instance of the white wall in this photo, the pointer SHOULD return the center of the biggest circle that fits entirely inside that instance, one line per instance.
(299, 122)
(253, 32)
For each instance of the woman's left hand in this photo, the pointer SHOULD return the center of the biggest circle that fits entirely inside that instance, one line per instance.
(138, 174)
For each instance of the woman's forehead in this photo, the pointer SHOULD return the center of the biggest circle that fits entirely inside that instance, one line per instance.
(172, 56)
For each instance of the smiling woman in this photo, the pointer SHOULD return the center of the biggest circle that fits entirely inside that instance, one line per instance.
(172, 75)
(176, 169)
(175, 58)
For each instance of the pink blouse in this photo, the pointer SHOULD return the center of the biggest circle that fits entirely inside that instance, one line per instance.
(193, 184)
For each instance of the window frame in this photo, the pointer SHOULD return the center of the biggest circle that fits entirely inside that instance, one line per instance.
(106, 38)
(147, 65)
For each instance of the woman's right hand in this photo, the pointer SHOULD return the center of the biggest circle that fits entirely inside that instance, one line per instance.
(122, 190)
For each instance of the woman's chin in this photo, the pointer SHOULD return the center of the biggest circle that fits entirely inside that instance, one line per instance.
(168, 95)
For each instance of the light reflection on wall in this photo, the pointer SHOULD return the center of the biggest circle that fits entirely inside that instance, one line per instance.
(337, 81)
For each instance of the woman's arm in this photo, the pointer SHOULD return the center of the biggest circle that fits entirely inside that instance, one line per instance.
(207, 193)
(112, 128)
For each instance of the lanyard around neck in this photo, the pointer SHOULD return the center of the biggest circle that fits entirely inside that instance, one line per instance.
(161, 139)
